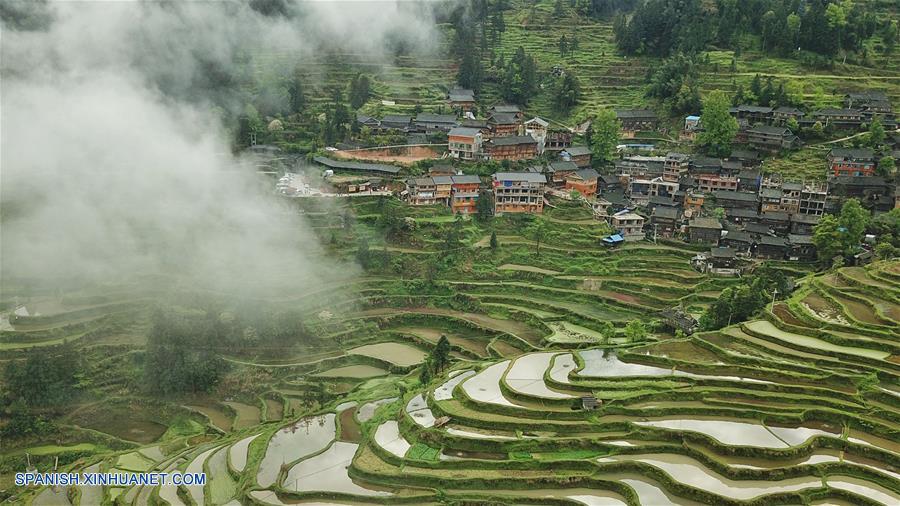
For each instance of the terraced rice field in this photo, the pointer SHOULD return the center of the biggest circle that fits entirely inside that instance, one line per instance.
(796, 406)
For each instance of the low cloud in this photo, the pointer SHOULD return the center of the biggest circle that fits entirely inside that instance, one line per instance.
(113, 158)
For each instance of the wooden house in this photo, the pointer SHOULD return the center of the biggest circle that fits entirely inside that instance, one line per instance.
(704, 230)
(514, 147)
(580, 155)
(584, 181)
(636, 120)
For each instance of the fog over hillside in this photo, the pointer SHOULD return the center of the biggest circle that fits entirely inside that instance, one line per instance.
(114, 158)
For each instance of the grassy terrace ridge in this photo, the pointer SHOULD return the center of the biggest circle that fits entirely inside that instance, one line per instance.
(799, 404)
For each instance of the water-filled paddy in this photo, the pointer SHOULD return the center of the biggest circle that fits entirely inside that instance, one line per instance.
(290, 443)
(445, 391)
(691, 472)
(367, 410)
(485, 386)
(196, 466)
(597, 365)
(388, 436)
(563, 364)
(739, 433)
(527, 376)
(765, 327)
(238, 452)
(221, 487)
(420, 412)
(327, 472)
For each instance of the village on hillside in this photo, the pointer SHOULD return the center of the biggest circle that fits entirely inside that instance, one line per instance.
(733, 204)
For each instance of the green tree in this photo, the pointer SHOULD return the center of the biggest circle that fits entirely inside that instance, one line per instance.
(887, 166)
(818, 130)
(360, 89)
(518, 80)
(295, 93)
(839, 236)
(484, 210)
(605, 135)
(563, 46)
(828, 239)
(47, 376)
(793, 125)
(885, 250)
(425, 372)
(568, 91)
(441, 354)
(494, 244)
(470, 73)
(853, 219)
(538, 233)
(719, 128)
(635, 331)
(876, 133)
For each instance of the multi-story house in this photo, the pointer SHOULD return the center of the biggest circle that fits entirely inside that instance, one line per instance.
(851, 162)
(628, 224)
(426, 122)
(584, 181)
(519, 192)
(714, 182)
(504, 124)
(513, 109)
(665, 220)
(513, 147)
(749, 180)
(396, 122)
(771, 138)
(639, 191)
(812, 199)
(693, 202)
(635, 120)
(421, 191)
(464, 194)
(839, 118)
(770, 199)
(558, 139)
(559, 171)
(733, 199)
(675, 166)
(647, 167)
(752, 114)
(465, 143)
(580, 155)
(662, 188)
(443, 187)
(704, 230)
(461, 100)
(783, 114)
(790, 197)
